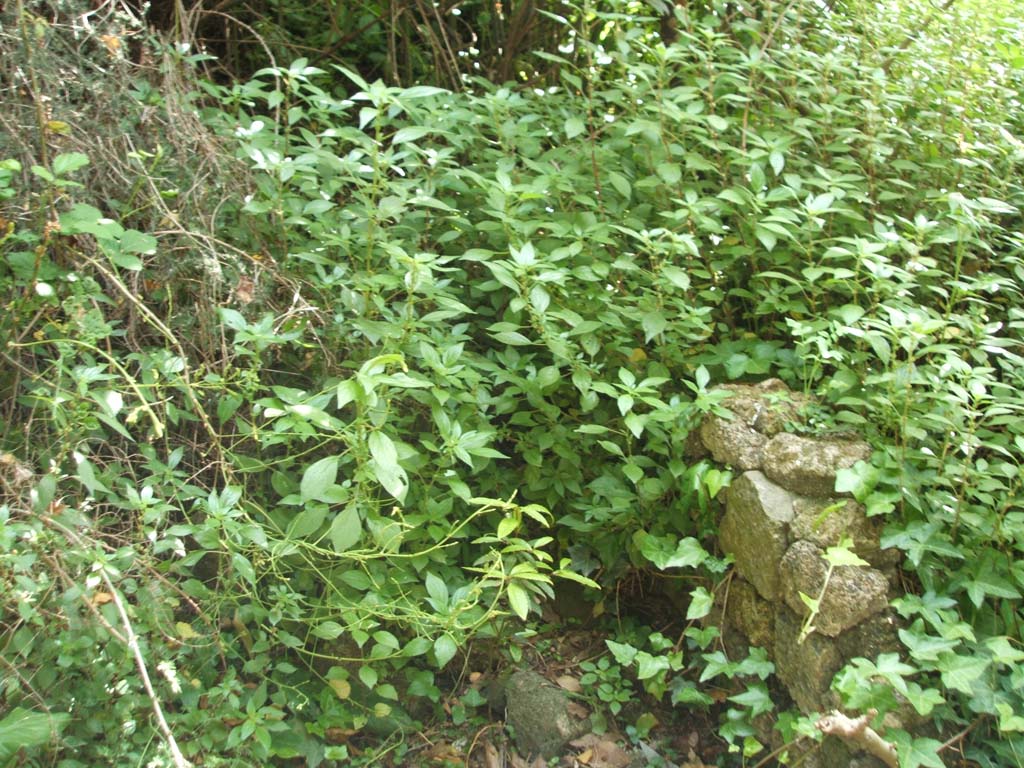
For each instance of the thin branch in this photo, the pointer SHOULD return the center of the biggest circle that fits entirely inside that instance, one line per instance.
(857, 732)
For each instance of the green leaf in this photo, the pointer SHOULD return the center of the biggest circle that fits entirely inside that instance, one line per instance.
(717, 122)
(243, 567)
(444, 650)
(648, 666)
(574, 126)
(858, 480)
(519, 600)
(438, 591)
(22, 729)
(346, 528)
(960, 672)
(621, 184)
(318, 478)
(137, 242)
(385, 465)
(69, 162)
(328, 630)
(686, 692)
(677, 276)
(308, 521)
(623, 652)
(410, 133)
(654, 323)
(368, 676)
(841, 555)
(670, 173)
(918, 752)
(701, 602)
(755, 698)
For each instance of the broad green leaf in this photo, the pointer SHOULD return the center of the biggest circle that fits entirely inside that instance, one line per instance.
(368, 676)
(519, 600)
(677, 276)
(960, 672)
(69, 162)
(385, 465)
(841, 555)
(701, 602)
(328, 630)
(444, 649)
(243, 567)
(647, 665)
(621, 184)
(22, 729)
(346, 528)
(917, 752)
(670, 173)
(654, 323)
(138, 242)
(410, 133)
(717, 122)
(308, 521)
(318, 478)
(438, 591)
(623, 652)
(574, 126)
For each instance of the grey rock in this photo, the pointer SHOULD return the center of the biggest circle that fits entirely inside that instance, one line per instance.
(805, 668)
(753, 616)
(876, 634)
(866, 761)
(853, 594)
(808, 466)
(755, 530)
(825, 521)
(767, 406)
(539, 714)
(733, 442)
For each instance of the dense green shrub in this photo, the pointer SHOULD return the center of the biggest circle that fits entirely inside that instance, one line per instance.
(462, 340)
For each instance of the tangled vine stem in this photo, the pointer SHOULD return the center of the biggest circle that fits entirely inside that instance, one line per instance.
(131, 640)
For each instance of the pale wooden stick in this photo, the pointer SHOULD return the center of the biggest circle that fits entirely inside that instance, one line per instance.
(856, 731)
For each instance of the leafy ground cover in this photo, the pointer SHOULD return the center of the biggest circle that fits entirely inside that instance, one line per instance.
(317, 389)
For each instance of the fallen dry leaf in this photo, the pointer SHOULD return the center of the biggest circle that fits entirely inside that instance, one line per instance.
(577, 710)
(569, 683)
(491, 759)
(604, 752)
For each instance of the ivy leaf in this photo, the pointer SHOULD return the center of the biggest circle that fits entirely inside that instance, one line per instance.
(959, 672)
(701, 602)
(919, 752)
(623, 652)
(647, 665)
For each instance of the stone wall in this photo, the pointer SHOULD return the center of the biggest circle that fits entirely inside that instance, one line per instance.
(781, 514)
